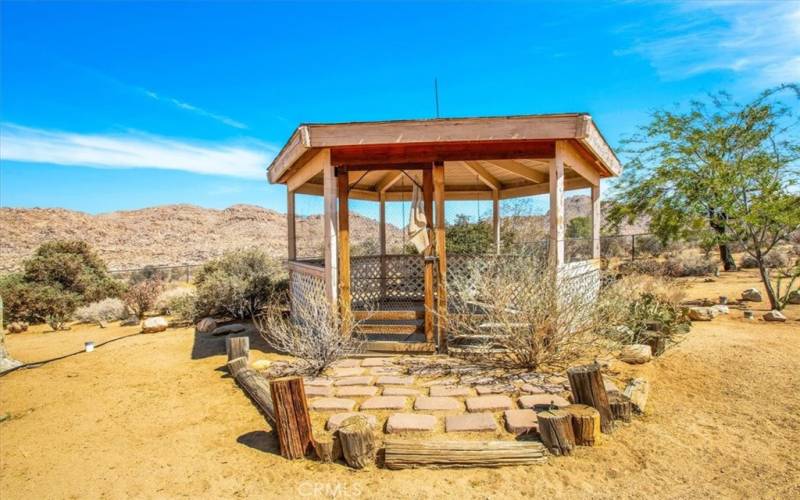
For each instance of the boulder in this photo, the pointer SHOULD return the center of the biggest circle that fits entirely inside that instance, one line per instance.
(701, 313)
(206, 325)
(794, 297)
(226, 329)
(132, 321)
(636, 354)
(17, 327)
(721, 309)
(752, 295)
(774, 316)
(154, 325)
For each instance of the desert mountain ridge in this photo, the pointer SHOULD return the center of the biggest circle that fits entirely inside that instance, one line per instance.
(188, 234)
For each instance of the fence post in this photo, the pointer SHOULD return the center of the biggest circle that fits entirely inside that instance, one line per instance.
(633, 247)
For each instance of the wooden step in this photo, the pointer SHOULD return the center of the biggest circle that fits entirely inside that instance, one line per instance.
(391, 328)
(400, 315)
(387, 346)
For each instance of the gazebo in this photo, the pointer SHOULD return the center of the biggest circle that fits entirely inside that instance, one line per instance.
(404, 297)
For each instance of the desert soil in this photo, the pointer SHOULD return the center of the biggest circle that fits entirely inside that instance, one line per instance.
(156, 416)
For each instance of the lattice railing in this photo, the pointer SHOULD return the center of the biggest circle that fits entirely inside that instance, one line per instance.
(392, 278)
(306, 287)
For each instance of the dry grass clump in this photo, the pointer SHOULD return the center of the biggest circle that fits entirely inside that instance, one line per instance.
(690, 264)
(110, 309)
(317, 334)
(776, 259)
(179, 302)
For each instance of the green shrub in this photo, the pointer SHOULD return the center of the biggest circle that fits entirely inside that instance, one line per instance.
(17, 299)
(579, 227)
(32, 302)
(239, 283)
(468, 238)
(54, 305)
(179, 302)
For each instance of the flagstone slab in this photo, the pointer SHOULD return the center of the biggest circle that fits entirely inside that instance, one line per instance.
(348, 372)
(521, 421)
(357, 390)
(532, 389)
(335, 421)
(318, 381)
(393, 390)
(319, 390)
(541, 402)
(365, 380)
(328, 404)
(395, 380)
(376, 362)
(384, 403)
(483, 390)
(450, 390)
(410, 422)
(385, 370)
(489, 403)
(347, 363)
(470, 422)
(426, 403)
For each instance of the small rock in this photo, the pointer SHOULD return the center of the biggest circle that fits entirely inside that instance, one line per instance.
(470, 422)
(636, 353)
(132, 321)
(449, 390)
(365, 380)
(521, 421)
(637, 391)
(226, 329)
(793, 297)
(357, 390)
(410, 422)
(425, 403)
(206, 325)
(489, 403)
(701, 313)
(154, 325)
(102, 324)
(774, 316)
(752, 295)
(384, 403)
(327, 404)
(336, 420)
(709, 280)
(542, 401)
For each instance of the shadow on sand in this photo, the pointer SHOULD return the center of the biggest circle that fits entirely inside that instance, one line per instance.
(206, 345)
(261, 441)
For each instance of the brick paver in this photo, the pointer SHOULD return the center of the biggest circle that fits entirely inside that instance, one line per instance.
(384, 403)
(521, 421)
(542, 401)
(470, 422)
(489, 403)
(348, 372)
(327, 404)
(357, 390)
(319, 390)
(347, 363)
(450, 390)
(410, 422)
(426, 403)
(336, 420)
(365, 380)
(393, 390)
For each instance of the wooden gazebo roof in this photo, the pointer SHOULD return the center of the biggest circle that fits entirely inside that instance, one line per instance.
(510, 155)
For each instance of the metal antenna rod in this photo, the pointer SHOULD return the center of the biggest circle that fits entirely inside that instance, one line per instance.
(436, 95)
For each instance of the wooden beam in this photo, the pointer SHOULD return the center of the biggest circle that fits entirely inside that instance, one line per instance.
(291, 223)
(330, 230)
(441, 253)
(537, 189)
(596, 221)
(519, 169)
(591, 139)
(557, 208)
(388, 181)
(496, 220)
(483, 175)
(318, 190)
(369, 167)
(456, 195)
(405, 153)
(311, 168)
(344, 244)
(427, 195)
(578, 163)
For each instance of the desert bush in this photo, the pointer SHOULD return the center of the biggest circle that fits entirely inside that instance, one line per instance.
(54, 305)
(240, 283)
(532, 318)
(148, 273)
(615, 246)
(468, 238)
(141, 297)
(36, 302)
(638, 308)
(179, 302)
(776, 259)
(650, 267)
(317, 336)
(647, 244)
(110, 309)
(689, 264)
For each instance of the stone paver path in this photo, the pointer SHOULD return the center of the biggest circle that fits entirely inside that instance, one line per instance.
(336, 420)
(450, 390)
(521, 421)
(426, 403)
(353, 381)
(394, 390)
(319, 390)
(357, 390)
(542, 401)
(329, 404)
(489, 403)
(348, 372)
(410, 422)
(385, 403)
(470, 422)
(395, 380)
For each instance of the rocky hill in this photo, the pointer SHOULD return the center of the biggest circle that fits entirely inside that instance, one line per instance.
(170, 234)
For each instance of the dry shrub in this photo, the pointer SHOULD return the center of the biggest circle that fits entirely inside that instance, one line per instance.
(178, 302)
(141, 297)
(776, 259)
(530, 318)
(689, 264)
(103, 310)
(650, 267)
(316, 334)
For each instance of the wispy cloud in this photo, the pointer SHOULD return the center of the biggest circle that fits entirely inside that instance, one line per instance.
(759, 40)
(134, 149)
(194, 109)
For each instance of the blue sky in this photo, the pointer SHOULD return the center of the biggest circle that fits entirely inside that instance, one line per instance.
(107, 106)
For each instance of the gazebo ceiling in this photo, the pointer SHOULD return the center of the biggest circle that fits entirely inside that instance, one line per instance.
(507, 155)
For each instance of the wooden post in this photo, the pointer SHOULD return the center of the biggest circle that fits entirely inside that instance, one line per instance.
(358, 442)
(587, 387)
(291, 222)
(407, 454)
(427, 195)
(557, 207)
(382, 241)
(237, 347)
(496, 220)
(292, 422)
(596, 215)
(555, 429)
(585, 424)
(620, 407)
(327, 447)
(344, 243)
(330, 229)
(257, 387)
(441, 253)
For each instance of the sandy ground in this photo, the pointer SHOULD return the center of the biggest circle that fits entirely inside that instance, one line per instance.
(155, 416)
